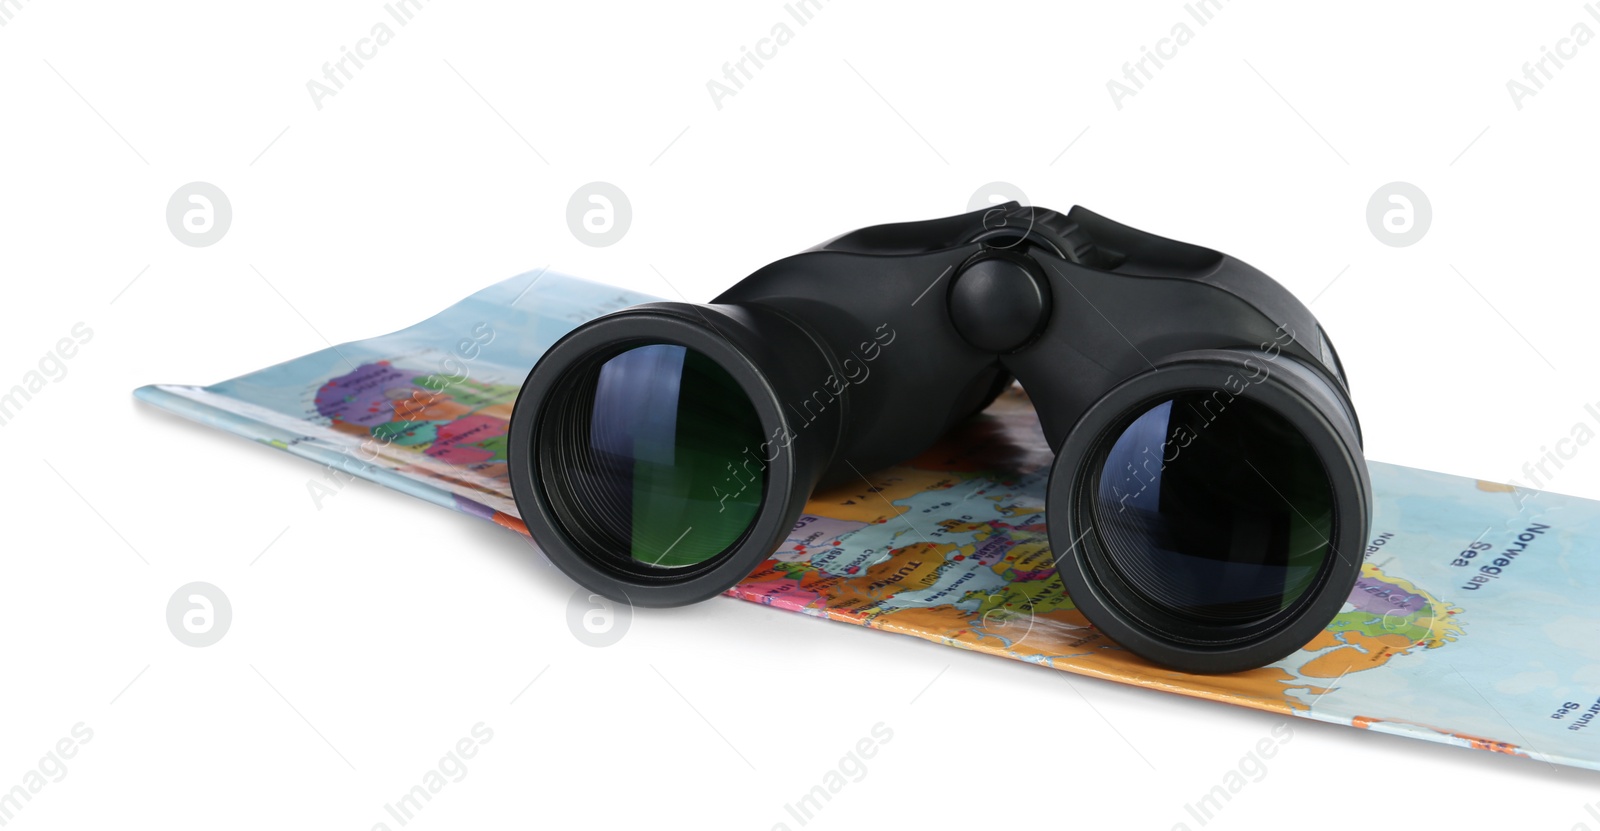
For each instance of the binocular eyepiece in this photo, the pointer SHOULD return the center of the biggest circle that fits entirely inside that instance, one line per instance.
(1208, 502)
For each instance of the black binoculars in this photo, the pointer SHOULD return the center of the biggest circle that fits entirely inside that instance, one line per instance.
(1208, 502)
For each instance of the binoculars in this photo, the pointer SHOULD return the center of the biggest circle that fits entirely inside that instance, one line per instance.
(1208, 503)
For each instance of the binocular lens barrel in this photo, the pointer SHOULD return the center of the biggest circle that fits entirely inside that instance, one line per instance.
(649, 453)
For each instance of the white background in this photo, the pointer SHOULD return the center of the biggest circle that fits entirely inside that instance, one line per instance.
(368, 636)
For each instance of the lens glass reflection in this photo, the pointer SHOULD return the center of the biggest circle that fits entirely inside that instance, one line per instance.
(1213, 508)
(665, 473)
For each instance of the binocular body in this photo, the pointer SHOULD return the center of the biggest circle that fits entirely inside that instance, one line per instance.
(1208, 503)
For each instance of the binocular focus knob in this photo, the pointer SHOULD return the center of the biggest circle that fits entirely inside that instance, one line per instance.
(999, 303)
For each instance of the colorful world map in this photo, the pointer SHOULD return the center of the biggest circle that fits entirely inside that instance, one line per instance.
(1472, 622)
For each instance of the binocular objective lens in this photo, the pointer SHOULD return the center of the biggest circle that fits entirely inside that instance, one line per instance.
(1212, 509)
(647, 454)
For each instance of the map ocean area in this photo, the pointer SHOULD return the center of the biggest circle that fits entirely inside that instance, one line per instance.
(1472, 622)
